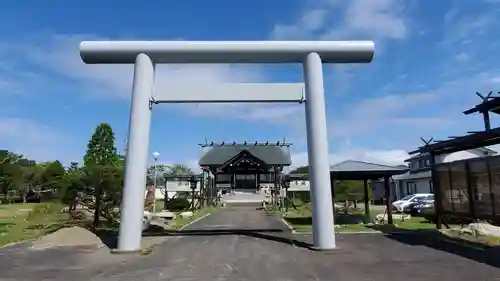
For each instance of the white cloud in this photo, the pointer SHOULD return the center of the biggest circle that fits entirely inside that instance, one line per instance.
(310, 21)
(379, 19)
(15, 80)
(462, 57)
(59, 54)
(422, 112)
(372, 114)
(36, 141)
(460, 25)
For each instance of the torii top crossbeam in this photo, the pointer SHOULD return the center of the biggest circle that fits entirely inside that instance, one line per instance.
(124, 52)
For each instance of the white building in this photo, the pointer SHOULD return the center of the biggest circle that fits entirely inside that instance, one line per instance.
(173, 187)
(418, 178)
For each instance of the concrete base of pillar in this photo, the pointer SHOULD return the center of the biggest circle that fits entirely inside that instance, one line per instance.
(316, 249)
(125, 252)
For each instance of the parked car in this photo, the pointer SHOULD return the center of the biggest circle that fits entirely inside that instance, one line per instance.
(419, 208)
(401, 204)
(408, 208)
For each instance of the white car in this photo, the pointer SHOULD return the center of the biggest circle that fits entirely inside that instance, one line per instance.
(404, 202)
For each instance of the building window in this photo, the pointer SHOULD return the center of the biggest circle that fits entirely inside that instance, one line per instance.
(411, 188)
(421, 163)
(413, 165)
(431, 188)
(427, 162)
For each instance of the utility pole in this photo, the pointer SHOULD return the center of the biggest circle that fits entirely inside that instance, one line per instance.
(156, 155)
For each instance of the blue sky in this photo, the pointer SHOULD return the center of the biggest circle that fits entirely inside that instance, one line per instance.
(431, 57)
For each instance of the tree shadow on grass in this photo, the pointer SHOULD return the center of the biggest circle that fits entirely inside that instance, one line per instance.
(476, 251)
(299, 221)
(4, 226)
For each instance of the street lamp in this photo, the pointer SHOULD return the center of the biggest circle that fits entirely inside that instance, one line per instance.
(192, 182)
(286, 184)
(156, 155)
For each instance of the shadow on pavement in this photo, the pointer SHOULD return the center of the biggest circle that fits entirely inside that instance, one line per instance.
(339, 219)
(110, 238)
(276, 235)
(476, 251)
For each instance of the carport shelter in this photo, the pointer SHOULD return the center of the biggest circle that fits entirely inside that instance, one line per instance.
(357, 170)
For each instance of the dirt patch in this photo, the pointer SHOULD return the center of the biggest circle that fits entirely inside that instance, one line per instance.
(69, 237)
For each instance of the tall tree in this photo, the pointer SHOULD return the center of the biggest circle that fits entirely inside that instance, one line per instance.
(300, 170)
(101, 149)
(12, 174)
(99, 161)
(157, 171)
(52, 176)
(178, 170)
(73, 166)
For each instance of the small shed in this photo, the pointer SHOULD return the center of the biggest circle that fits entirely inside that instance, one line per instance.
(358, 170)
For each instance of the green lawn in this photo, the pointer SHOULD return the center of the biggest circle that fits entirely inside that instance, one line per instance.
(301, 221)
(178, 222)
(20, 222)
(304, 224)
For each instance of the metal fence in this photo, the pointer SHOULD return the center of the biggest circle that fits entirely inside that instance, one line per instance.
(470, 188)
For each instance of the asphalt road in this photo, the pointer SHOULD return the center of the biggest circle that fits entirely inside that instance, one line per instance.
(245, 244)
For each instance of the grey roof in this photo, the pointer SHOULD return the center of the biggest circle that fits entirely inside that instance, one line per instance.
(420, 155)
(354, 170)
(411, 176)
(426, 154)
(485, 149)
(352, 166)
(270, 154)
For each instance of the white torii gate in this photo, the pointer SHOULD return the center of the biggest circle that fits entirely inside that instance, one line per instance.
(145, 54)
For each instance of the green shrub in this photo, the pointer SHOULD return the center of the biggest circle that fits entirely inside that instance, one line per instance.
(184, 194)
(178, 204)
(351, 218)
(301, 196)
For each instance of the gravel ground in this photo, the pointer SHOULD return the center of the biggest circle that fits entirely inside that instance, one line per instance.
(69, 237)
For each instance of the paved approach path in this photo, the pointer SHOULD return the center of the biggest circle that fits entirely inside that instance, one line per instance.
(245, 244)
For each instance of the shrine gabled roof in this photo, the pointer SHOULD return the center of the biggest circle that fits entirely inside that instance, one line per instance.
(270, 154)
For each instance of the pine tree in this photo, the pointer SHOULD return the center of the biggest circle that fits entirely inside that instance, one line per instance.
(99, 161)
(101, 149)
